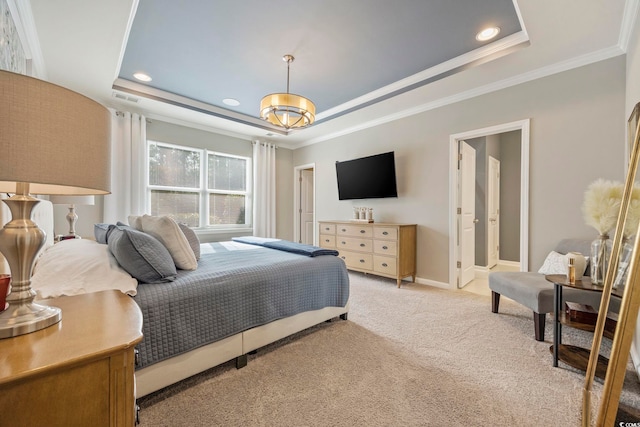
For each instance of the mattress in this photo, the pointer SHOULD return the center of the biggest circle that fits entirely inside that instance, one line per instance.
(235, 287)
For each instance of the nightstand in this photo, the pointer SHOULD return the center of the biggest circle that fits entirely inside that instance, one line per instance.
(78, 372)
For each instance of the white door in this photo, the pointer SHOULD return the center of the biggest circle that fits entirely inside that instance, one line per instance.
(306, 206)
(467, 213)
(493, 214)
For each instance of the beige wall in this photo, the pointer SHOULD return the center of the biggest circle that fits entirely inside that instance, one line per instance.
(577, 135)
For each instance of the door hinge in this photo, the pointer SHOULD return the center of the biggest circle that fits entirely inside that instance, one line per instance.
(459, 211)
(459, 264)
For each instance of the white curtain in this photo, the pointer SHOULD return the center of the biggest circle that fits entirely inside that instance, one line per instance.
(128, 167)
(264, 189)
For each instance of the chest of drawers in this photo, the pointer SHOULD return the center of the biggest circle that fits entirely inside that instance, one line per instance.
(383, 249)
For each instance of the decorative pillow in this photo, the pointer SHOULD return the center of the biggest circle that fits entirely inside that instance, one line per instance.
(168, 231)
(192, 238)
(135, 221)
(78, 266)
(141, 255)
(556, 263)
(101, 232)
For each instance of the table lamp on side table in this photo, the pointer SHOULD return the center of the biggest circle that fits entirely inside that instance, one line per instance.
(52, 141)
(72, 216)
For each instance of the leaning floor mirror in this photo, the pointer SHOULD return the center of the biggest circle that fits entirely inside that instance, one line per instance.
(604, 410)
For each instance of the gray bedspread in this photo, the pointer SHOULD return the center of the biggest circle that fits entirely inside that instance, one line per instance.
(235, 287)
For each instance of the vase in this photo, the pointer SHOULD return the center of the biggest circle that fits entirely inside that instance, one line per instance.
(600, 253)
(579, 262)
(623, 264)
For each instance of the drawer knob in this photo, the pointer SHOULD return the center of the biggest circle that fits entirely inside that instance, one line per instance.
(362, 245)
(326, 228)
(384, 233)
(344, 229)
(326, 240)
(342, 257)
(344, 243)
(363, 231)
(362, 261)
(384, 264)
(384, 247)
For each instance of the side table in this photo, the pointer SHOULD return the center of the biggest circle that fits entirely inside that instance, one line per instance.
(572, 355)
(78, 372)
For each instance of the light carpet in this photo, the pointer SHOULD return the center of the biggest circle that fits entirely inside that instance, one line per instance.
(416, 356)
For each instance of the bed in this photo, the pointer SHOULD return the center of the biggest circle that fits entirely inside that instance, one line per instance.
(242, 296)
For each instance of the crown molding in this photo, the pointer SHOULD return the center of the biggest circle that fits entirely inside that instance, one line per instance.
(559, 67)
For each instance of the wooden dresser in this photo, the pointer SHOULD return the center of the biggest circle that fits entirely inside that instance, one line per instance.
(78, 372)
(383, 249)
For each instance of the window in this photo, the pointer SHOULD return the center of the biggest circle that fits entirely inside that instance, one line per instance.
(199, 187)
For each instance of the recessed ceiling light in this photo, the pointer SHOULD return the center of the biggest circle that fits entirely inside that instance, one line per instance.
(232, 102)
(487, 34)
(142, 77)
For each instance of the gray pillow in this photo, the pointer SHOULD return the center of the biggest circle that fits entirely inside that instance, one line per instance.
(192, 238)
(141, 255)
(101, 232)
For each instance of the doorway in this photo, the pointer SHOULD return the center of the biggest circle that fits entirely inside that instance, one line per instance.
(304, 204)
(458, 235)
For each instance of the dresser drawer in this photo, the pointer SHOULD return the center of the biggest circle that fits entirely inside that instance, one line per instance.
(357, 260)
(384, 264)
(385, 247)
(385, 233)
(354, 244)
(327, 241)
(354, 230)
(327, 228)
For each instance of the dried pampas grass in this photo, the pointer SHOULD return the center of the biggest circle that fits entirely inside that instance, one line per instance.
(633, 215)
(602, 204)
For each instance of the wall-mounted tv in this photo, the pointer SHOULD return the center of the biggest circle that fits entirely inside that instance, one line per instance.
(371, 177)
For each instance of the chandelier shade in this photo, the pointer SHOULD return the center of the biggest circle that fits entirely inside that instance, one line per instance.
(287, 110)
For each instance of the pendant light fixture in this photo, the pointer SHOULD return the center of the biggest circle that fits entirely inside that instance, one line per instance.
(286, 109)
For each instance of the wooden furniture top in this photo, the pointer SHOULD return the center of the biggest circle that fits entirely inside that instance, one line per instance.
(93, 326)
(584, 284)
(355, 222)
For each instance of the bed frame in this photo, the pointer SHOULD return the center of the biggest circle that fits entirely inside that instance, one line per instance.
(170, 371)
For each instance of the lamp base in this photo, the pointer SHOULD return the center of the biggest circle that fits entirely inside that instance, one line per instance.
(20, 319)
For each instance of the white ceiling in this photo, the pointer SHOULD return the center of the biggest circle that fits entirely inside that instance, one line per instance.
(83, 45)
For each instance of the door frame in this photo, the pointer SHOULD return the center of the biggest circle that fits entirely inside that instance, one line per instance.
(297, 202)
(490, 195)
(524, 127)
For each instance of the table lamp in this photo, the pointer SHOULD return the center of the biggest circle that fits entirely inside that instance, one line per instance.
(52, 141)
(72, 216)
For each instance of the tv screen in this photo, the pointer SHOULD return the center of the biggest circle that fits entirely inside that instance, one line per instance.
(371, 177)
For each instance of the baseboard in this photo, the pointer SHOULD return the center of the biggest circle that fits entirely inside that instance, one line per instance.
(509, 263)
(434, 283)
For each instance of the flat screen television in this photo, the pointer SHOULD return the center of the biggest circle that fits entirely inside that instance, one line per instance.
(371, 177)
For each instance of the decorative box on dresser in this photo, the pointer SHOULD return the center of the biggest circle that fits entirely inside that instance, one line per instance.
(78, 372)
(383, 249)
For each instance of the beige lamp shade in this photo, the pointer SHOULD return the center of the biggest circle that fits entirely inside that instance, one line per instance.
(56, 140)
(72, 200)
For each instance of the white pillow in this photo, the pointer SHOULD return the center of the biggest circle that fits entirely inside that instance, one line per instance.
(556, 263)
(167, 230)
(79, 266)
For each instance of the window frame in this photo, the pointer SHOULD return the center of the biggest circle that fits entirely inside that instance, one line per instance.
(204, 191)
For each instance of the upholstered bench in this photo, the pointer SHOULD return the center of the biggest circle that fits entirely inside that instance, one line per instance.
(533, 291)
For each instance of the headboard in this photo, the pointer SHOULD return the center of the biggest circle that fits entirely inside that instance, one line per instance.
(42, 215)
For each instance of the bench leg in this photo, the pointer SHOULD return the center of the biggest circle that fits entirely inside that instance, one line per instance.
(495, 301)
(538, 324)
